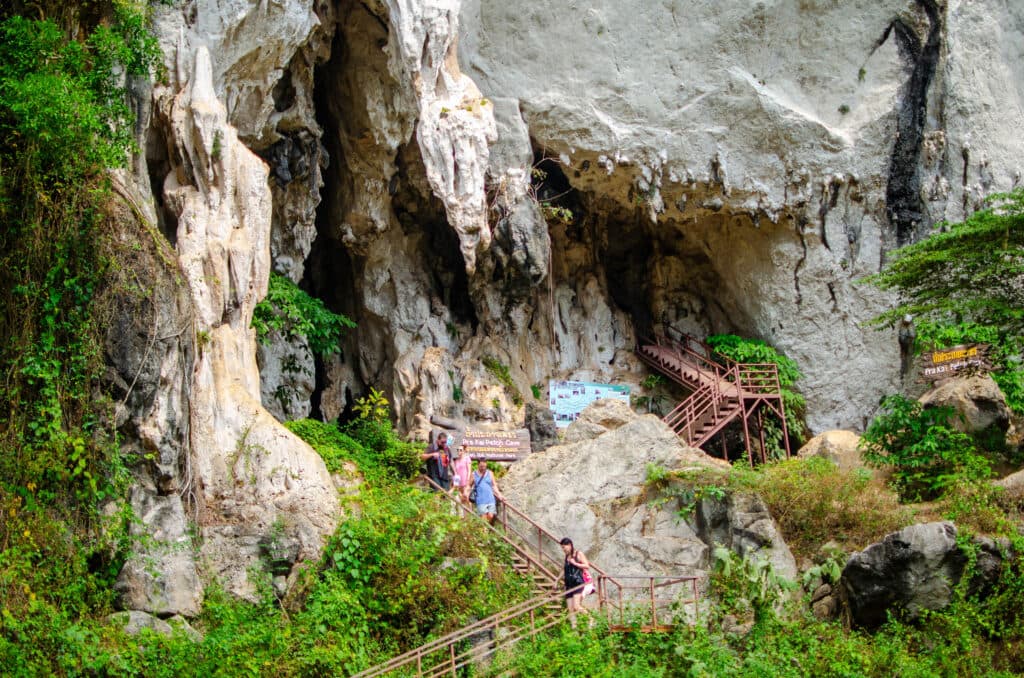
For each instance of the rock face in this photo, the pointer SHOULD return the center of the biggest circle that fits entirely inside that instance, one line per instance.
(493, 180)
(910, 571)
(592, 491)
(745, 167)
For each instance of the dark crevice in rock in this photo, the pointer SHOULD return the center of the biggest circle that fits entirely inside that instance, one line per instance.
(158, 167)
(284, 92)
(801, 225)
(905, 209)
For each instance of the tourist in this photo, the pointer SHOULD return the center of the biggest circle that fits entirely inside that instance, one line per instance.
(438, 458)
(463, 467)
(576, 574)
(484, 492)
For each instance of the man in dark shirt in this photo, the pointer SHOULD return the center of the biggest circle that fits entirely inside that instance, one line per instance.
(439, 458)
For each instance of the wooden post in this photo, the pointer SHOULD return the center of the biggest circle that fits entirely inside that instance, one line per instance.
(654, 607)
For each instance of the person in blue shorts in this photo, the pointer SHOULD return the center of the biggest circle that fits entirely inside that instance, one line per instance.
(487, 494)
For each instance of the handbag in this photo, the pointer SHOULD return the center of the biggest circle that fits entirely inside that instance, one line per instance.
(588, 583)
(472, 493)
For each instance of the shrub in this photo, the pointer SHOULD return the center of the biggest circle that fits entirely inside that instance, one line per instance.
(289, 310)
(926, 455)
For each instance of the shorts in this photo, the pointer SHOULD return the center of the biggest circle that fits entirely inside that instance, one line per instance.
(482, 509)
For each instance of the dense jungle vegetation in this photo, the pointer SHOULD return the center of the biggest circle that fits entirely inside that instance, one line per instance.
(401, 568)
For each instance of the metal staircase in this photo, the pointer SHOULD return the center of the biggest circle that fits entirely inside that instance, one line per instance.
(719, 393)
(630, 602)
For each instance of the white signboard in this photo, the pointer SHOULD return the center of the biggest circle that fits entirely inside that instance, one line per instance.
(568, 398)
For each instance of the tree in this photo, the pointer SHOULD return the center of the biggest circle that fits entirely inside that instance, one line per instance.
(965, 283)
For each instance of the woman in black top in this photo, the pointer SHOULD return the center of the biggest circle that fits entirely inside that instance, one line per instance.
(575, 563)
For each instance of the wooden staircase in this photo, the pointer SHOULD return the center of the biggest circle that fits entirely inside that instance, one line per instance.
(719, 393)
(536, 553)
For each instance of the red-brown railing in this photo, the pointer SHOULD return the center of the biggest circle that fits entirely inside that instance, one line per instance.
(649, 603)
(446, 655)
(721, 393)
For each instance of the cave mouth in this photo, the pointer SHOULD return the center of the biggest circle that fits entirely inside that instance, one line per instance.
(423, 219)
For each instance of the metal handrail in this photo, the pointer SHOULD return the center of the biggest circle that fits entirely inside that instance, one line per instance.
(518, 548)
(652, 584)
(509, 619)
(498, 620)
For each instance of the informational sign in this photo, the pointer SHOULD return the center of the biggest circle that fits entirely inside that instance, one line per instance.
(496, 445)
(948, 361)
(568, 398)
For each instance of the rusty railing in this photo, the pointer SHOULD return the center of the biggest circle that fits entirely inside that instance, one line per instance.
(647, 602)
(473, 643)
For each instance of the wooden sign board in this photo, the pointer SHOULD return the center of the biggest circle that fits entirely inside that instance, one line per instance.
(948, 362)
(496, 445)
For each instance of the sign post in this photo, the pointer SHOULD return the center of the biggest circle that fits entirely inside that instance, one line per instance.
(496, 445)
(948, 362)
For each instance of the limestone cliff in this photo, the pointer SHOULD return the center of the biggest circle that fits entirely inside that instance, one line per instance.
(727, 168)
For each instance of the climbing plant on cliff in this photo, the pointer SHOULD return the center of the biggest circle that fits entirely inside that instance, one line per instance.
(743, 350)
(64, 121)
(965, 283)
(289, 310)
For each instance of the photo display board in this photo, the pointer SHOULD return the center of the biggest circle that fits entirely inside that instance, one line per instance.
(568, 398)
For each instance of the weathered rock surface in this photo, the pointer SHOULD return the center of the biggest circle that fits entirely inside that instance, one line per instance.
(160, 576)
(740, 173)
(746, 167)
(540, 422)
(910, 571)
(978, 403)
(593, 491)
(243, 471)
(133, 621)
(839, 447)
(287, 376)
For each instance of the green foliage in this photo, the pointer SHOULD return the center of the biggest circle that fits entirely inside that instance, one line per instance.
(964, 283)
(964, 273)
(742, 350)
(535, 389)
(812, 500)
(745, 585)
(289, 310)
(64, 121)
(556, 213)
(501, 373)
(373, 406)
(925, 453)
(371, 445)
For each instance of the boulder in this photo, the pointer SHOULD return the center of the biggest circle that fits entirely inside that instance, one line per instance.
(540, 421)
(133, 621)
(912, 570)
(594, 492)
(977, 399)
(598, 418)
(839, 447)
(742, 523)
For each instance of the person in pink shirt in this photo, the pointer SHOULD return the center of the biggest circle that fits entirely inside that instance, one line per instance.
(463, 467)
